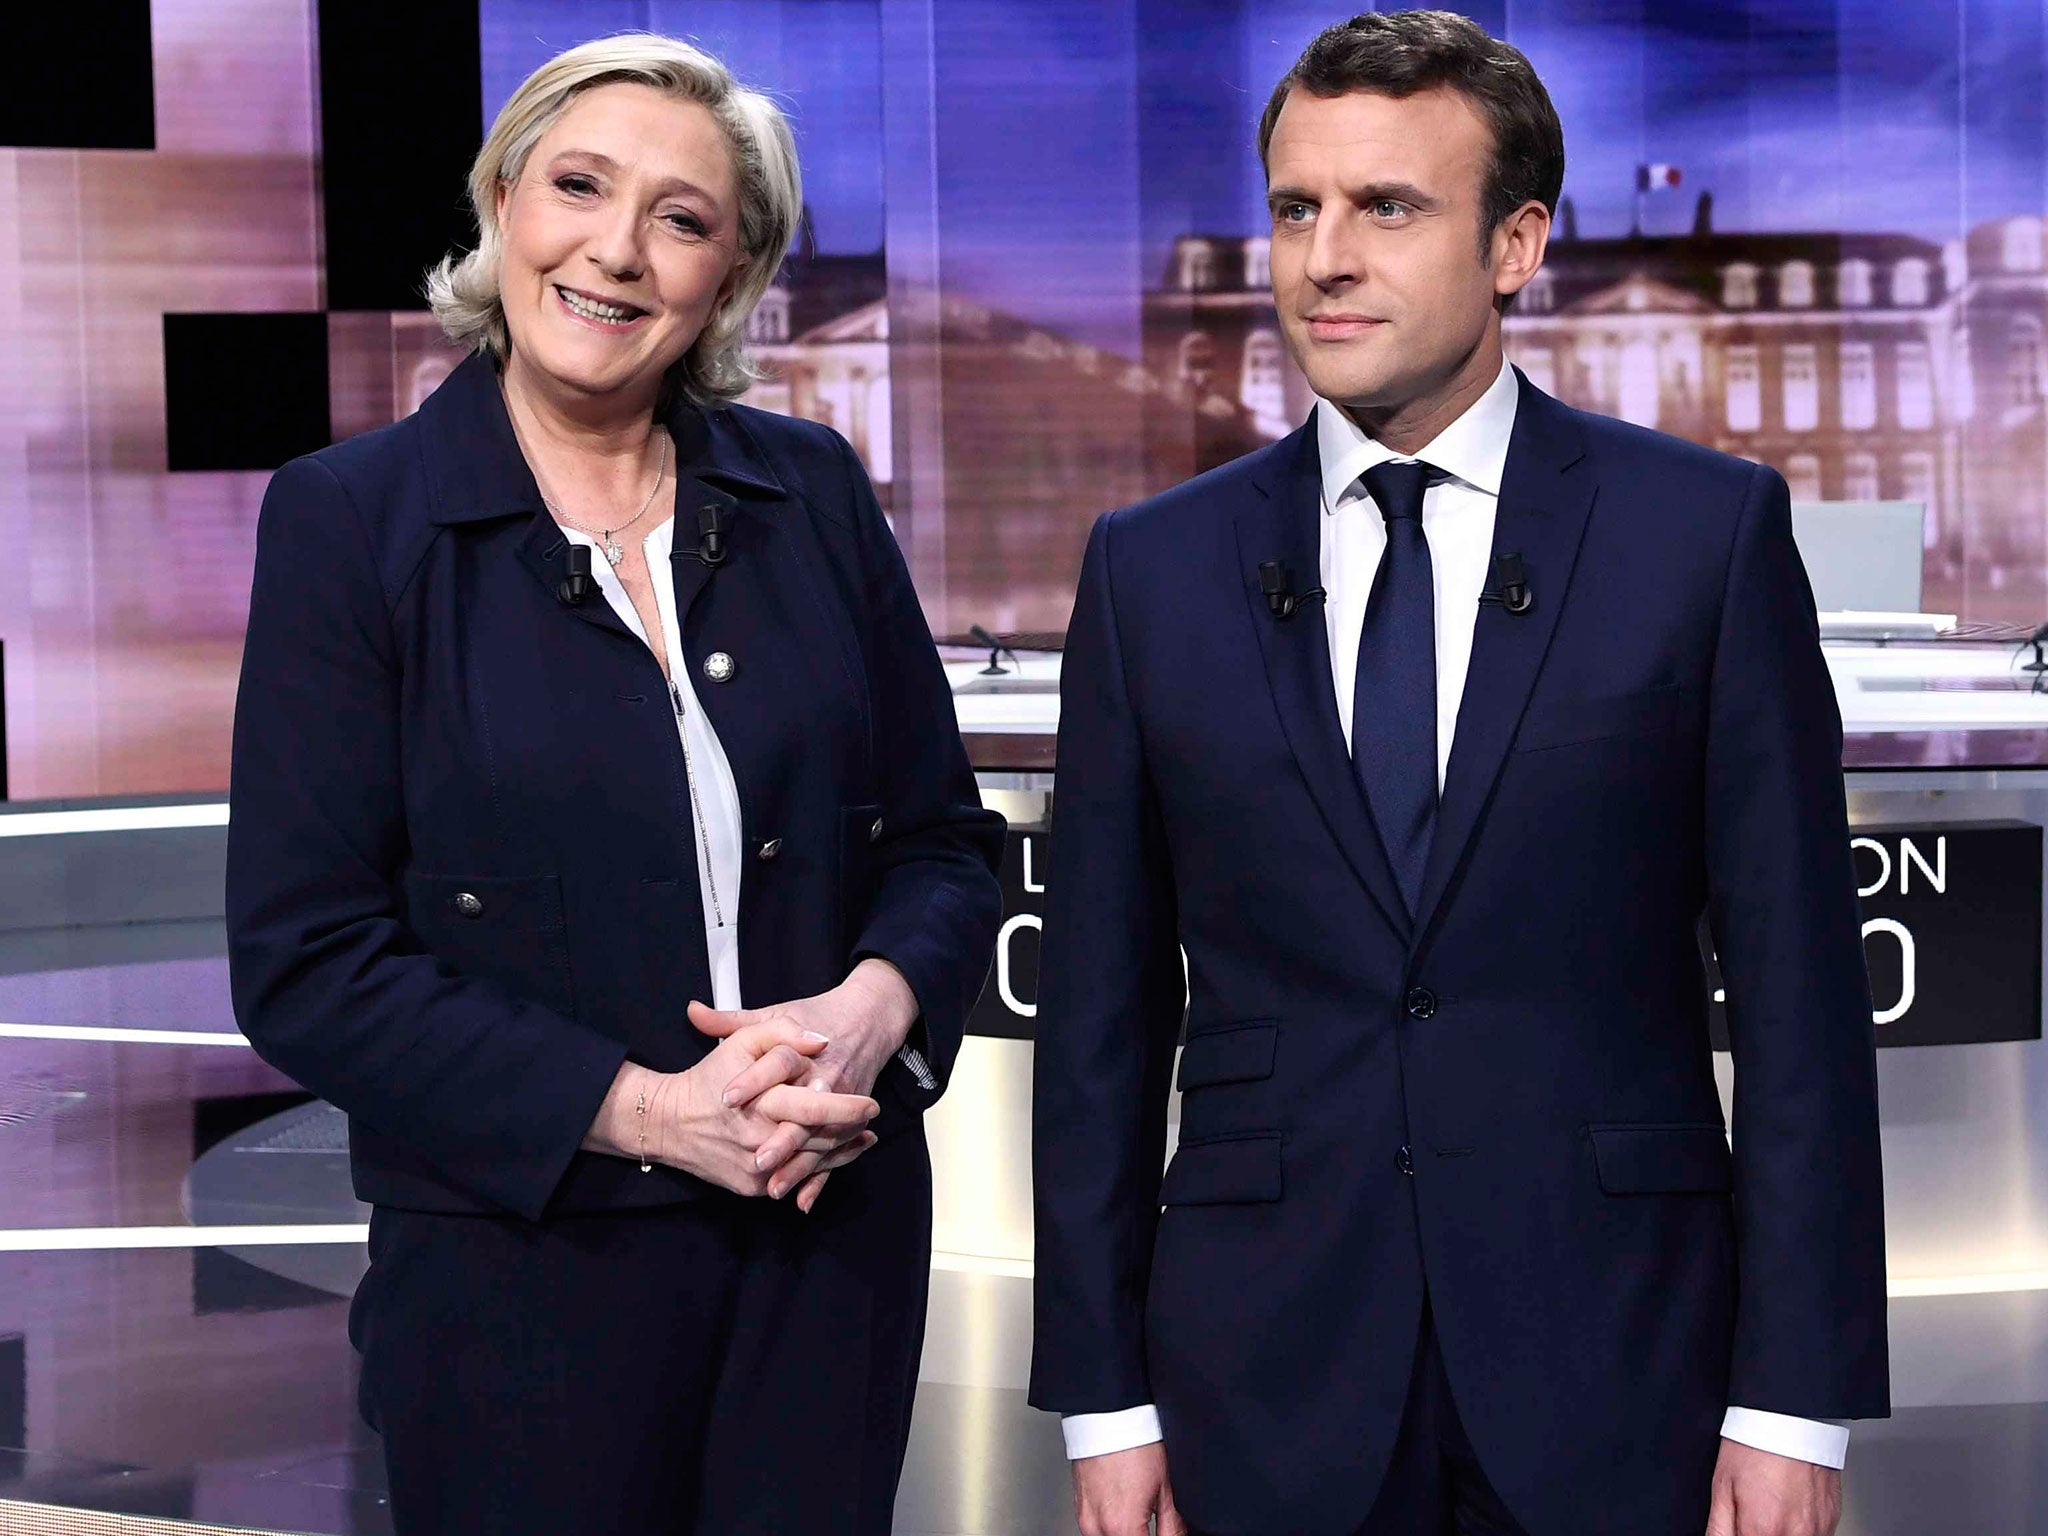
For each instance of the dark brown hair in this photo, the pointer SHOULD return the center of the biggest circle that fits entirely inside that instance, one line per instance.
(1399, 53)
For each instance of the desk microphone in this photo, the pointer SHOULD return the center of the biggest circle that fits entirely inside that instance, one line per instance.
(995, 648)
(576, 585)
(1511, 586)
(1282, 603)
(711, 548)
(2038, 667)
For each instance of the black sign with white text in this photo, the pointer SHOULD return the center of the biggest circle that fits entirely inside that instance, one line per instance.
(1009, 1003)
(1951, 933)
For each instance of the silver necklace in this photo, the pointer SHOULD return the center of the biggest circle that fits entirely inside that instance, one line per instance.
(614, 551)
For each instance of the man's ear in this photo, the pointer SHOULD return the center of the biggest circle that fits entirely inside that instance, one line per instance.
(1517, 248)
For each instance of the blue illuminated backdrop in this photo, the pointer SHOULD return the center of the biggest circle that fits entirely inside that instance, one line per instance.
(1089, 177)
(1034, 286)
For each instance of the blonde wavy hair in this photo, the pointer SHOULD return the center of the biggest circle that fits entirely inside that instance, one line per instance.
(463, 290)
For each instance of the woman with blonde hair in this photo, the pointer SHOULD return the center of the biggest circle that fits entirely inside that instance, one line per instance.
(603, 844)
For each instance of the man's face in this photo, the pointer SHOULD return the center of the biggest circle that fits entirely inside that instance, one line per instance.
(1377, 276)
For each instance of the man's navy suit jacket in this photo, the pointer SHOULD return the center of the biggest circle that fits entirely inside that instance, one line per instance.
(1656, 739)
(421, 719)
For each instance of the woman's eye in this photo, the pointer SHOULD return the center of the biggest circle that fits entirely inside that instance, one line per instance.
(685, 223)
(576, 184)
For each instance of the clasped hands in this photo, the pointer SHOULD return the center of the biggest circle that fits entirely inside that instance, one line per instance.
(780, 1102)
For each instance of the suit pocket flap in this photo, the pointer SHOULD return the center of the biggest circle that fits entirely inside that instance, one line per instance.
(1231, 1170)
(1562, 722)
(1237, 1053)
(1662, 1159)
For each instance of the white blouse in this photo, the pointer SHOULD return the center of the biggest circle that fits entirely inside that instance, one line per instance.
(714, 796)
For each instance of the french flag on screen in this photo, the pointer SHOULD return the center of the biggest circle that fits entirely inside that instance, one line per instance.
(1651, 178)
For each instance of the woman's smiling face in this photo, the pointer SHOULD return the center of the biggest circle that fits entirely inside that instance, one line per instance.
(619, 239)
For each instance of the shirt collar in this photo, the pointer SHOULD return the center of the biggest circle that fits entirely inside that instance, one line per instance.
(1473, 449)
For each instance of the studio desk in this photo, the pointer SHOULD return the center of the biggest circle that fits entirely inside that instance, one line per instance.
(1945, 757)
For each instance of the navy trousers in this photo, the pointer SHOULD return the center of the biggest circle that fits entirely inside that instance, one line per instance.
(1434, 1486)
(726, 1366)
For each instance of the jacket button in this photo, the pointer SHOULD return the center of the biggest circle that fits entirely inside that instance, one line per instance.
(767, 851)
(468, 905)
(1421, 1003)
(1405, 1161)
(718, 666)
(875, 832)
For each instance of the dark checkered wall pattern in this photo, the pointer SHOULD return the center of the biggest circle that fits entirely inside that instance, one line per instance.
(401, 112)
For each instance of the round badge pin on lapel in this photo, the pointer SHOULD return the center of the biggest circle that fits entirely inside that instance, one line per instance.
(718, 667)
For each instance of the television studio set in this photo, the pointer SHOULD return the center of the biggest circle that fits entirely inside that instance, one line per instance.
(1336, 820)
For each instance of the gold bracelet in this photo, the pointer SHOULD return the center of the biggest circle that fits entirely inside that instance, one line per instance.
(640, 1111)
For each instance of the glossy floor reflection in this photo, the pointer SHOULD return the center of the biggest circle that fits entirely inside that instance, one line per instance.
(217, 1385)
(192, 1385)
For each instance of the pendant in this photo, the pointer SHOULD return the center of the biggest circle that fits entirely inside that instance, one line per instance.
(613, 551)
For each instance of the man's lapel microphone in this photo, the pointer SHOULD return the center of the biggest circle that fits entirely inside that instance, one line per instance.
(1511, 588)
(1275, 583)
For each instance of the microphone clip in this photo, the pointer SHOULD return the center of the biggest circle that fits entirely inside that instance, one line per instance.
(577, 583)
(712, 550)
(1511, 588)
(1275, 585)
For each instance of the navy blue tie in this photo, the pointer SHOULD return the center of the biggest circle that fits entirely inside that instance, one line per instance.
(1393, 695)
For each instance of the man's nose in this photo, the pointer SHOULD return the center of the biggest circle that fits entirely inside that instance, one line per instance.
(1332, 255)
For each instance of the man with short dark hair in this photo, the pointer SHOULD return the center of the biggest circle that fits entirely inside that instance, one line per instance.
(1427, 735)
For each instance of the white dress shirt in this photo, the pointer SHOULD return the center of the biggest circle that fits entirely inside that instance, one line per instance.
(1457, 519)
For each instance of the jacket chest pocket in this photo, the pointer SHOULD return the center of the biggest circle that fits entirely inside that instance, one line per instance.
(509, 931)
(1571, 722)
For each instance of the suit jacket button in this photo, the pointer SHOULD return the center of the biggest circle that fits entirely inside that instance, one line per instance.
(468, 905)
(1405, 1161)
(718, 666)
(875, 832)
(1421, 1003)
(767, 851)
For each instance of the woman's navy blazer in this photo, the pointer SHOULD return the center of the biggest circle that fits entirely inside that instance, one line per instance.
(462, 883)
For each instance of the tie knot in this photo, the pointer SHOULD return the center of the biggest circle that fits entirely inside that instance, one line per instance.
(1398, 488)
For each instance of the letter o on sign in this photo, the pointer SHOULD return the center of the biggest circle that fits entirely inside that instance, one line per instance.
(1884, 864)
(1907, 965)
(1003, 937)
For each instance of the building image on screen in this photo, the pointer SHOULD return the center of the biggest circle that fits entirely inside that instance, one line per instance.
(1031, 286)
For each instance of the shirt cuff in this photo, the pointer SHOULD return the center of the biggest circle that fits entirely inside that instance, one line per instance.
(915, 1060)
(1820, 1441)
(1100, 1434)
